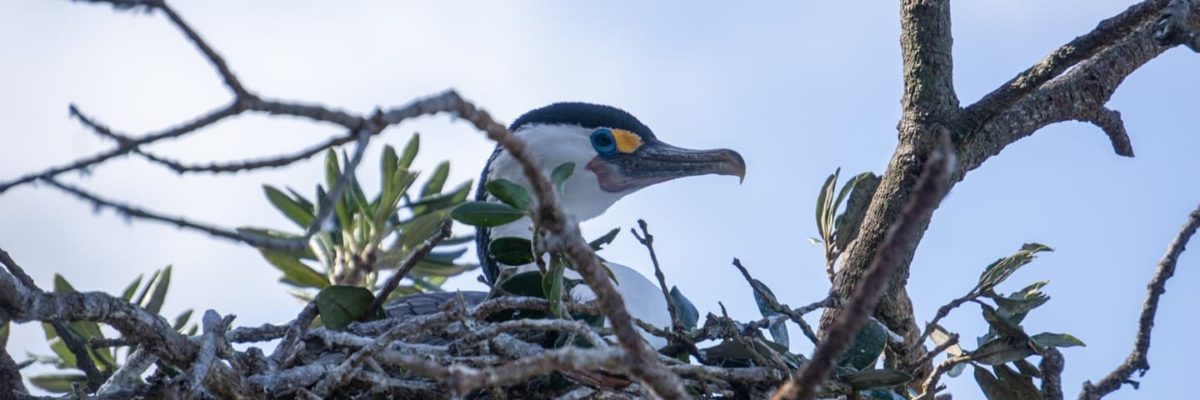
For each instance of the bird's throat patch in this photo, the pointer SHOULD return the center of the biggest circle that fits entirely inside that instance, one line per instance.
(627, 142)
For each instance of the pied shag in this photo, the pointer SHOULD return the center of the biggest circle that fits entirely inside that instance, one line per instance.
(614, 155)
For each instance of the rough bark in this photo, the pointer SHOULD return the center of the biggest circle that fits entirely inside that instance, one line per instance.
(1072, 83)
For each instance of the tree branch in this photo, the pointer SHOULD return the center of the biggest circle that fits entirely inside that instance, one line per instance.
(407, 265)
(932, 187)
(1137, 360)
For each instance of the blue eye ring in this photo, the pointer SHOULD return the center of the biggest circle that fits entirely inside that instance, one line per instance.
(603, 141)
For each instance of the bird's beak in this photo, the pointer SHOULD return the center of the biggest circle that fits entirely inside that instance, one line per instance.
(657, 162)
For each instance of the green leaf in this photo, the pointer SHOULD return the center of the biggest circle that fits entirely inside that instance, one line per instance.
(510, 193)
(4, 331)
(410, 152)
(688, 314)
(437, 181)
(511, 250)
(389, 199)
(602, 241)
(341, 206)
(130, 290)
(159, 294)
(992, 388)
(847, 224)
(1002, 326)
(823, 204)
(58, 383)
(1002, 350)
(141, 297)
(867, 347)
(528, 283)
(1001, 269)
(1020, 387)
(308, 205)
(290, 208)
(294, 271)
(415, 231)
(388, 164)
(182, 320)
(339, 305)
(880, 394)
(875, 379)
(552, 286)
(484, 214)
(561, 173)
(431, 269)
(779, 332)
(1056, 340)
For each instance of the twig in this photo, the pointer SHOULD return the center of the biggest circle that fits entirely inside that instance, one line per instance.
(936, 350)
(928, 193)
(797, 316)
(1109, 31)
(134, 212)
(187, 127)
(83, 357)
(11, 383)
(646, 239)
(1052, 367)
(413, 258)
(217, 61)
(289, 346)
(207, 354)
(128, 374)
(25, 303)
(248, 165)
(929, 387)
(1137, 360)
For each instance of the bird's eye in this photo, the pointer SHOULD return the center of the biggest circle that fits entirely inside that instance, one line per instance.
(603, 142)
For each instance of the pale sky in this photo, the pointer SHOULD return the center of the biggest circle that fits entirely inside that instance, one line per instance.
(798, 88)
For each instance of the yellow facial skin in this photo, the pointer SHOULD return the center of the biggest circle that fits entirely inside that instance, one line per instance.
(627, 142)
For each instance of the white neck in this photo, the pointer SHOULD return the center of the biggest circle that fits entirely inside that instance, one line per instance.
(581, 196)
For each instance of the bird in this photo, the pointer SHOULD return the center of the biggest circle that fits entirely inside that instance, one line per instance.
(614, 155)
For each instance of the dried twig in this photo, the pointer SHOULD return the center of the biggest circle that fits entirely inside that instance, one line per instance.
(935, 181)
(797, 315)
(1137, 360)
(407, 265)
(646, 239)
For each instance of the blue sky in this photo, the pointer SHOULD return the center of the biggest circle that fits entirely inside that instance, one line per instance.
(799, 88)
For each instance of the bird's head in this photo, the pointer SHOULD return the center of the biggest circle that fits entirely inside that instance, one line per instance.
(614, 155)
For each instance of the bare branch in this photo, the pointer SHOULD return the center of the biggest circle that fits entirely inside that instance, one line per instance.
(1081, 48)
(406, 266)
(84, 163)
(289, 346)
(83, 357)
(1137, 360)
(1052, 367)
(1110, 122)
(1175, 27)
(646, 239)
(227, 75)
(926, 43)
(134, 212)
(24, 303)
(797, 316)
(929, 388)
(248, 165)
(932, 187)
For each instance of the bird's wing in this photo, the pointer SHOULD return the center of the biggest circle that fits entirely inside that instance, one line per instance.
(428, 303)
